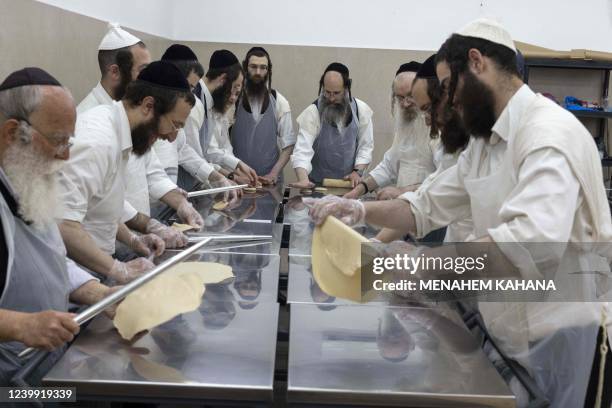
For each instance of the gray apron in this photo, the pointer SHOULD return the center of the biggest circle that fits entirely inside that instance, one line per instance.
(255, 143)
(36, 281)
(185, 180)
(335, 153)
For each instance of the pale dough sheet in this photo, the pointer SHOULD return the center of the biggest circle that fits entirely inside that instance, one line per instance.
(336, 259)
(176, 291)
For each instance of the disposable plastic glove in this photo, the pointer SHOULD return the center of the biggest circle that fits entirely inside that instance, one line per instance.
(124, 272)
(172, 238)
(147, 244)
(188, 214)
(350, 212)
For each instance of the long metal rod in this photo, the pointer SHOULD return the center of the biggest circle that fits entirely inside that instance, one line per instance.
(212, 191)
(226, 237)
(95, 309)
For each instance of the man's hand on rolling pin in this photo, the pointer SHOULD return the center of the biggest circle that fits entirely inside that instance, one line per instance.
(218, 180)
(172, 238)
(147, 244)
(350, 212)
(124, 272)
(302, 184)
(47, 330)
(354, 178)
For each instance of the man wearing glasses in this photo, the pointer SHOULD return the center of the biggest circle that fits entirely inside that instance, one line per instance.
(411, 157)
(262, 135)
(335, 133)
(93, 180)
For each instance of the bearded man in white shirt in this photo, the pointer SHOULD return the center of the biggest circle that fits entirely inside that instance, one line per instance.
(531, 174)
(411, 157)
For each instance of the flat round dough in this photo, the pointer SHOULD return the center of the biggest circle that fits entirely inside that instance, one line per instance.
(336, 259)
(182, 227)
(175, 291)
(220, 205)
(249, 189)
(320, 189)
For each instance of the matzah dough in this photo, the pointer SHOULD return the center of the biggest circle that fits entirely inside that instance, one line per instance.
(176, 291)
(336, 259)
(320, 189)
(220, 205)
(182, 227)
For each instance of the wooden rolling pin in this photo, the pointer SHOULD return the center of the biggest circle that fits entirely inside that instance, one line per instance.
(337, 183)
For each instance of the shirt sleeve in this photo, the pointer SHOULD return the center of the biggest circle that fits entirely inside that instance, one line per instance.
(285, 124)
(159, 182)
(193, 163)
(309, 125)
(82, 177)
(365, 139)
(77, 277)
(385, 172)
(441, 199)
(220, 150)
(542, 206)
(129, 212)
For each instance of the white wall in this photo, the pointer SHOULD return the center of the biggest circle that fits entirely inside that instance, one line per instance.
(386, 24)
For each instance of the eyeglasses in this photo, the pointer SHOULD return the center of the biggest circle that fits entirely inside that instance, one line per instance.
(404, 98)
(59, 149)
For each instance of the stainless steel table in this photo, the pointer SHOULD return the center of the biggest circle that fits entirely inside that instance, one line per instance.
(222, 351)
(387, 356)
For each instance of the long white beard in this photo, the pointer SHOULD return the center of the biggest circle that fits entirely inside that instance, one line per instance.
(35, 180)
(403, 118)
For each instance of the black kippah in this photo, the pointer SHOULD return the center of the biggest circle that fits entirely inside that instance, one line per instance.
(28, 76)
(337, 67)
(411, 66)
(179, 52)
(165, 75)
(261, 49)
(222, 59)
(428, 69)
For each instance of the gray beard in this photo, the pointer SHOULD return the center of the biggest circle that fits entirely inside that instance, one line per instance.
(334, 114)
(35, 181)
(403, 118)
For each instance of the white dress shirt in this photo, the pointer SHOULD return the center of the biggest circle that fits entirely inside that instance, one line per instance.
(180, 153)
(97, 96)
(545, 204)
(309, 126)
(413, 151)
(220, 151)
(148, 180)
(537, 179)
(93, 179)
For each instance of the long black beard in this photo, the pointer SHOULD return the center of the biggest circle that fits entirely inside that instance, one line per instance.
(221, 97)
(256, 89)
(477, 101)
(144, 135)
(453, 134)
